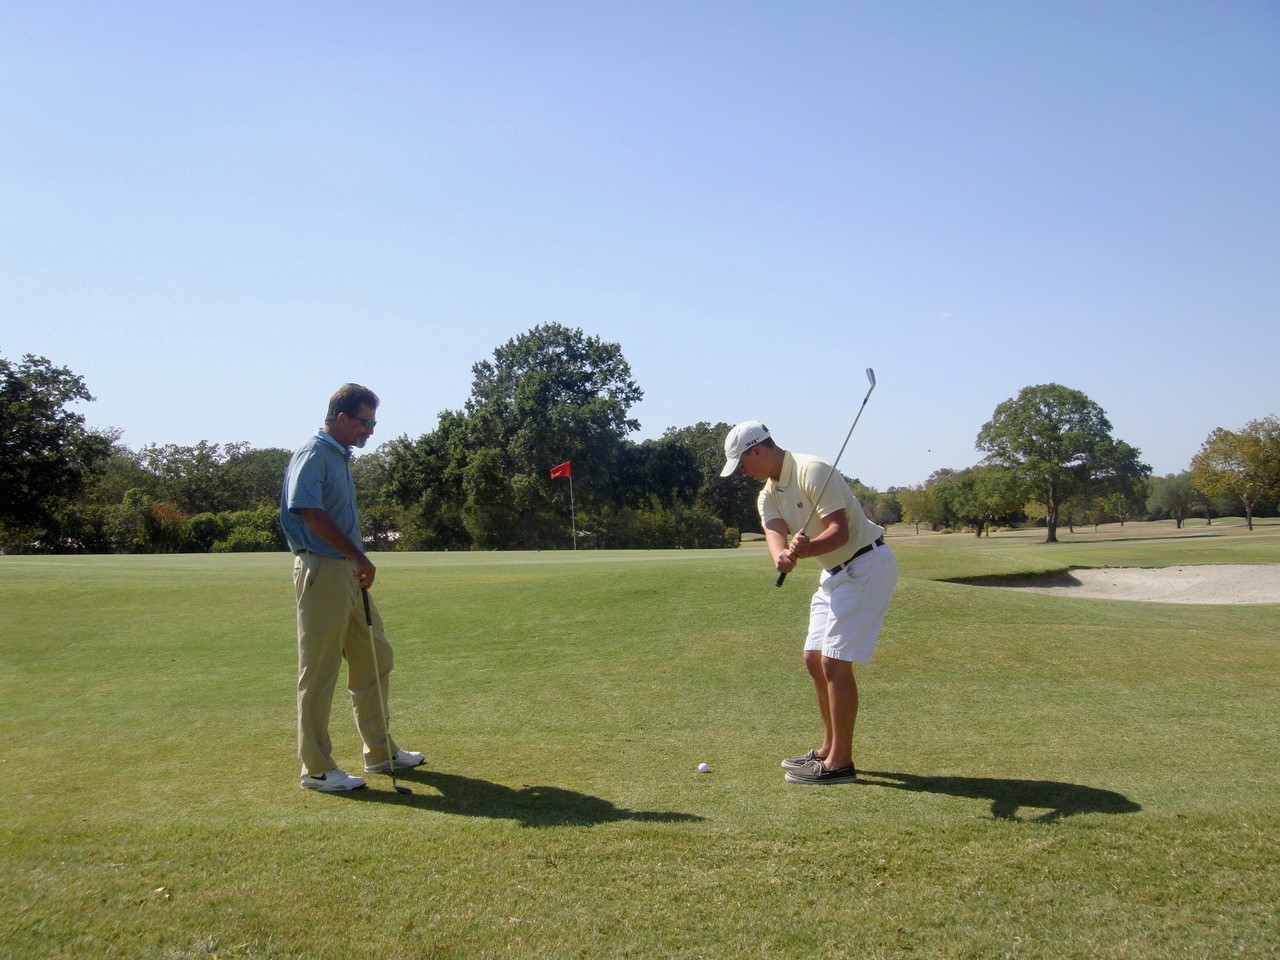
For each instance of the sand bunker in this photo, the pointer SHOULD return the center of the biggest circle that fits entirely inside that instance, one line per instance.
(1225, 583)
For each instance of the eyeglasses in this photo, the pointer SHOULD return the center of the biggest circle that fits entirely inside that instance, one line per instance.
(369, 423)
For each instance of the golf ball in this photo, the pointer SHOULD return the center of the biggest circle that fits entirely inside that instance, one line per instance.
(704, 768)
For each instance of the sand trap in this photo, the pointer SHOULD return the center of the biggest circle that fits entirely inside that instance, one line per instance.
(1225, 583)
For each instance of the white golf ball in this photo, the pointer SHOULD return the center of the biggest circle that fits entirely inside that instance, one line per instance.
(704, 768)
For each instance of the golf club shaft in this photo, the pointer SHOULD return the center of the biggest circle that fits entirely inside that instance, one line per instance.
(818, 499)
(382, 702)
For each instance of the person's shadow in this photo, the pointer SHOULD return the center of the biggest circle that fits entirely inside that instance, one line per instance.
(531, 806)
(1007, 797)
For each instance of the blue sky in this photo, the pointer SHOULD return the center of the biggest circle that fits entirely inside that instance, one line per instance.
(216, 213)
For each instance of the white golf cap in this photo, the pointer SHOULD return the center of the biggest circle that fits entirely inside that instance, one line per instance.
(741, 439)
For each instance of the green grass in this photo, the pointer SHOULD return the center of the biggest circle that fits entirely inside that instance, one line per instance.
(1044, 777)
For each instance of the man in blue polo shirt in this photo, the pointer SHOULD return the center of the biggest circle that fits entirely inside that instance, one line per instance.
(330, 568)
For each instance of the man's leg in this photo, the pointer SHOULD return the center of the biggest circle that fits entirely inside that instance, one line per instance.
(857, 609)
(842, 700)
(320, 630)
(813, 663)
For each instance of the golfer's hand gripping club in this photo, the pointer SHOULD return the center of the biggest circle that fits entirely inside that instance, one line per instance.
(871, 378)
(794, 548)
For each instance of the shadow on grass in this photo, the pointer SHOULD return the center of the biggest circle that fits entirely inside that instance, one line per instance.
(532, 806)
(1009, 796)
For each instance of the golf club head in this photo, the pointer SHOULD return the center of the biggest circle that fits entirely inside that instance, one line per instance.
(871, 377)
(401, 789)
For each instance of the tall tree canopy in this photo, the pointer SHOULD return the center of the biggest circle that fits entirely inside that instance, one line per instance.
(1058, 444)
(1171, 496)
(1241, 465)
(549, 395)
(46, 454)
(732, 499)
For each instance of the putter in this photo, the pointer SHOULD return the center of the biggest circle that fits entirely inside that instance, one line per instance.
(871, 378)
(382, 703)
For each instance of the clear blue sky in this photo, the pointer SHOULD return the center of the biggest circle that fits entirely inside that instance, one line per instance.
(216, 213)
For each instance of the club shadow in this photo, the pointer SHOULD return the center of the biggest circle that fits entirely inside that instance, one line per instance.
(1007, 797)
(530, 806)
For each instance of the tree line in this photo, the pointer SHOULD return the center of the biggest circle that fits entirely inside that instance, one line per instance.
(482, 479)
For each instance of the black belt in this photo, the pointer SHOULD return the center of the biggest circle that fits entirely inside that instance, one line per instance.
(878, 542)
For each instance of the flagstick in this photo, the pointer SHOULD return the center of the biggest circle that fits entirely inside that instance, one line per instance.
(573, 523)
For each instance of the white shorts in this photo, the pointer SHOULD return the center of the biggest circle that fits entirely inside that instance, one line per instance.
(848, 608)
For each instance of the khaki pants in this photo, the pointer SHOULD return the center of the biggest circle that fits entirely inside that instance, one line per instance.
(331, 627)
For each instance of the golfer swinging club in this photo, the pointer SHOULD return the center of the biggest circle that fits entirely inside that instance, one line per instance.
(858, 576)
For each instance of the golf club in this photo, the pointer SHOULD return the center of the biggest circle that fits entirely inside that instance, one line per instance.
(382, 703)
(871, 378)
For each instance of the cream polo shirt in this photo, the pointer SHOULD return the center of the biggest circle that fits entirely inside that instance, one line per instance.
(790, 498)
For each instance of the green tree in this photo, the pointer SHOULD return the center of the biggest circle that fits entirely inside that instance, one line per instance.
(47, 456)
(190, 477)
(209, 478)
(880, 508)
(919, 505)
(251, 531)
(128, 522)
(550, 395)
(731, 499)
(1241, 465)
(424, 478)
(1076, 509)
(944, 493)
(1058, 443)
(983, 495)
(121, 472)
(1120, 506)
(250, 478)
(1098, 512)
(664, 472)
(1171, 496)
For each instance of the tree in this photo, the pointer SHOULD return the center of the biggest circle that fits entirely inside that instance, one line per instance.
(1243, 465)
(1075, 509)
(190, 477)
(423, 477)
(943, 490)
(119, 473)
(1120, 506)
(733, 498)
(983, 495)
(1171, 496)
(550, 395)
(1058, 443)
(918, 506)
(881, 508)
(251, 478)
(660, 472)
(46, 455)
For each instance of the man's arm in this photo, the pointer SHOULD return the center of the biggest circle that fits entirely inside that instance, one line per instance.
(775, 538)
(834, 535)
(323, 526)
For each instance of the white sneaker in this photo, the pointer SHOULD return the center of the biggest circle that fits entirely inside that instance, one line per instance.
(335, 781)
(404, 760)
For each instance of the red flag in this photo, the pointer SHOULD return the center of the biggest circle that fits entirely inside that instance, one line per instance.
(561, 470)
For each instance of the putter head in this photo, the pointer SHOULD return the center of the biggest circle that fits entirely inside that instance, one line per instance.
(400, 789)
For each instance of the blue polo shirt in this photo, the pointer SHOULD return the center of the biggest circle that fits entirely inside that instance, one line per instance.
(319, 475)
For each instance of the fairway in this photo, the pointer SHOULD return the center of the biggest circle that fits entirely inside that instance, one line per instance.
(1041, 776)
